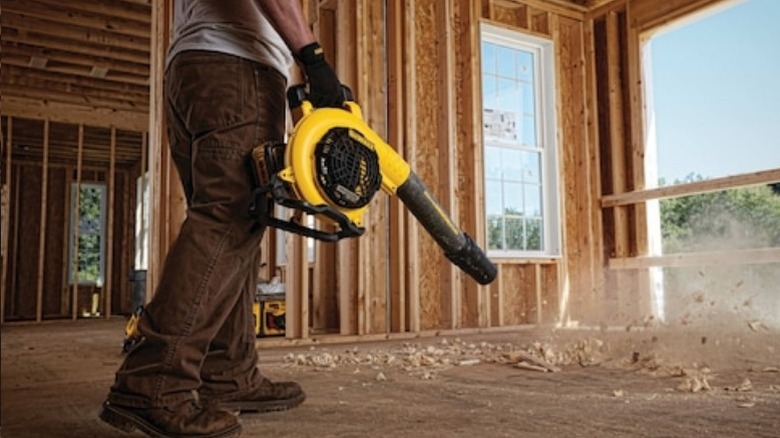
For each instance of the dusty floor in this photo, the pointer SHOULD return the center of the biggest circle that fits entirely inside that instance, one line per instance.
(606, 384)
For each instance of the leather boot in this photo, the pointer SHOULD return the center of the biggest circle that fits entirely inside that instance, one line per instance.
(267, 397)
(191, 421)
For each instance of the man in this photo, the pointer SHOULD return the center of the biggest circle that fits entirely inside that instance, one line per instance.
(225, 83)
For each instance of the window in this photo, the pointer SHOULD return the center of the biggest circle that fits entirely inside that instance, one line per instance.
(88, 214)
(518, 119)
(142, 222)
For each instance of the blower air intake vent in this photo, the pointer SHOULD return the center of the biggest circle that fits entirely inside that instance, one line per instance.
(347, 168)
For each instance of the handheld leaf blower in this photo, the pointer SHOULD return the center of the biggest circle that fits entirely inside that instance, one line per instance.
(332, 166)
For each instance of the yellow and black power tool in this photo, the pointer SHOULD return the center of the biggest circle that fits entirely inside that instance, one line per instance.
(332, 166)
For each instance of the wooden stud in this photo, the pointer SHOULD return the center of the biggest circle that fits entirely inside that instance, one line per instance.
(42, 232)
(617, 133)
(6, 187)
(396, 82)
(109, 265)
(74, 253)
(448, 171)
(168, 215)
(414, 269)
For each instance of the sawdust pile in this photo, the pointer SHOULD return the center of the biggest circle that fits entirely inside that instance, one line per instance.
(427, 360)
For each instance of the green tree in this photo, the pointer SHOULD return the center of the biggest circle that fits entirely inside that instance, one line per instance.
(737, 218)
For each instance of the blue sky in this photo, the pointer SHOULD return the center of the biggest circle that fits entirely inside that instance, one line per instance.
(716, 92)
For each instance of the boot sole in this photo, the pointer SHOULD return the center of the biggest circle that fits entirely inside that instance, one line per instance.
(250, 407)
(127, 422)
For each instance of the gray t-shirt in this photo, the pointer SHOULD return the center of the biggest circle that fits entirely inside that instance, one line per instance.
(235, 27)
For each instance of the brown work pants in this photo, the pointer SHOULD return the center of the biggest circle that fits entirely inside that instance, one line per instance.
(198, 330)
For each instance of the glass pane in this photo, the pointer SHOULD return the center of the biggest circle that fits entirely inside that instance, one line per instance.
(499, 125)
(489, 92)
(506, 62)
(513, 199)
(527, 99)
(525, 66)
(533, 200)
(514, 234)
(488, 58)
(508, 95)
(512, 165)
(493, 203)
(532, 170)
(89, 248)
(534, 228)
(528, 131)
(492, 163)
(495, 232)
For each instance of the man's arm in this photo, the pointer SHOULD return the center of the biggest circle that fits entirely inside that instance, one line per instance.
(287, 17)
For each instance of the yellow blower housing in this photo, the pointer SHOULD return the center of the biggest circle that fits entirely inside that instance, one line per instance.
(320, 134)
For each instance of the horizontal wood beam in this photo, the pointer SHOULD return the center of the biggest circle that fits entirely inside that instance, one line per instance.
(77, 33)
(694, 188)
(25, 51)
(77, 114)
(82, 71)
(141, 11)
(88, 94)
(15, 36)
(13, 73)
(67, 13)
(49, 95)
(561, 7)
(714, 258)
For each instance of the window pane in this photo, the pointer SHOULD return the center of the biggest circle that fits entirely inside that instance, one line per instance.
(492, 163)
(513, 198)
(508, 96)
(528, 102)
(532, 171)
(532, 201)
(493, 203)
(506, 62)
(488, 58)
(514, 234)
(534, 228)
(512, 164)
(489, 92)
(88, 201)
(525, 67)
(528, 131)
(495, 232)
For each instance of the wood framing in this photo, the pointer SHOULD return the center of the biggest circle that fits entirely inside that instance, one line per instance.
(82, 103)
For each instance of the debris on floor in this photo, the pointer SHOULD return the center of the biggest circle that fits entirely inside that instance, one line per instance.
(414, 357)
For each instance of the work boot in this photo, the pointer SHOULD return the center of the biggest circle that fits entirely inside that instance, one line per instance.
(191, 421)
(267, 397)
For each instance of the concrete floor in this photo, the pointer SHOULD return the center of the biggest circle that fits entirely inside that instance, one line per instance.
(608, 384)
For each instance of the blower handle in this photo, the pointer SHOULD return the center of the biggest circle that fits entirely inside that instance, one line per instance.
(296, 94)
(458, 247)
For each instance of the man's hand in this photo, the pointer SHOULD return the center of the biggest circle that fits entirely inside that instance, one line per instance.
(324, 86)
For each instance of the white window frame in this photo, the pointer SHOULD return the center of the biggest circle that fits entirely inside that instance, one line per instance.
(546, 137)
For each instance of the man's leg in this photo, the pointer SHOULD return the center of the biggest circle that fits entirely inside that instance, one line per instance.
(230, 376)
(213, 113)
(231, 379)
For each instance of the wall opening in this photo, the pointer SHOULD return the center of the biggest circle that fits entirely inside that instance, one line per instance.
(711, 114)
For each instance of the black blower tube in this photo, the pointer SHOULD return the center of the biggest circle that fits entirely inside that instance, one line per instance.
(459, 248)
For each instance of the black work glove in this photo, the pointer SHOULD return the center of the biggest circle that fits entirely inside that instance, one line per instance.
(324, 86)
